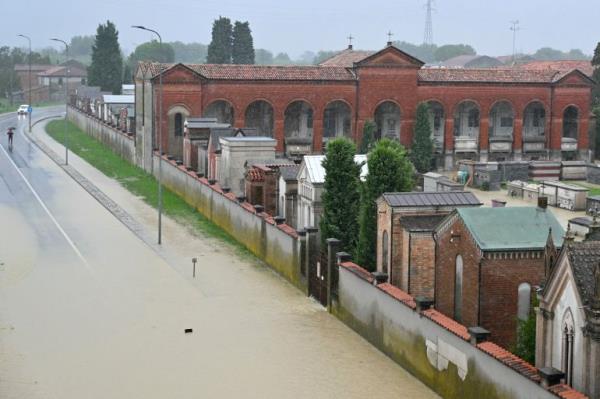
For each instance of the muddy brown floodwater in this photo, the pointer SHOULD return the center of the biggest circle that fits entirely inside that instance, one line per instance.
(110, 324)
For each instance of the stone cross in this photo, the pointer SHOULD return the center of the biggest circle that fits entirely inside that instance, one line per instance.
(350, 39)
(390, 34)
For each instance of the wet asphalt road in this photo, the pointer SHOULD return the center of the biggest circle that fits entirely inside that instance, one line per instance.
(88, 310)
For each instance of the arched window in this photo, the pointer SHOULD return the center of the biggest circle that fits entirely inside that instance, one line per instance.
(221, 110)
(178, 124)
(384, 252)
(568, 338)
(524, 301)
(259, 114)
(458, 287)
(466, 120)
(387, 118)
(570, 122)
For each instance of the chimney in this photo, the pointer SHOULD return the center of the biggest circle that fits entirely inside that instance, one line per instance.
(542, 202)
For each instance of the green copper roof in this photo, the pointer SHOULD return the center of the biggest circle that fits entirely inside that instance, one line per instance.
(512, 228)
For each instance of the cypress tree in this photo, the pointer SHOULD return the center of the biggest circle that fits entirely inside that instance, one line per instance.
(389, 171)
(219, 49)
(596, 76)
(422, 148)
(368, 136)
(341, 195)
(242, 51)
(106, 69)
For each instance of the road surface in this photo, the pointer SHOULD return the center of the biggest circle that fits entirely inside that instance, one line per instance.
(88, 310)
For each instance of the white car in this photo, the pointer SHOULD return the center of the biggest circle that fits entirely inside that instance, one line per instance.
(23, 109)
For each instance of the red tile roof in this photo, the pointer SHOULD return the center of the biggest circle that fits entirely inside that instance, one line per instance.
(346, 58)
(400, 295)
(560, 66)
(255, 175)
(447, 323)
(260, 72)
(499, 75)
(566, 392)
(510, 360)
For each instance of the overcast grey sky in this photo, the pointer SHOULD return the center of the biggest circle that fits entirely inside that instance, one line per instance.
(294, 27)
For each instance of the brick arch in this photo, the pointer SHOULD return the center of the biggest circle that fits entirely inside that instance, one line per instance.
(536, 100)
(576, 106)
(285, 107)
(502, 100)
(174, 108)
(340, 100)
(458, 103)
(372, 113)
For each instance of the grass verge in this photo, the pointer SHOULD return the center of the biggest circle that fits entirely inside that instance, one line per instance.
(138, 182)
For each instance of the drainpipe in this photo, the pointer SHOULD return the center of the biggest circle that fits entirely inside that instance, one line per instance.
(435, 257)
(391, 242)
(408, 266)
(551, 130)
(357, 110)
(479, 291)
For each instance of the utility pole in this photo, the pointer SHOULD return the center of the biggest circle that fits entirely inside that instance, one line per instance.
(160, 153)
(428, 37)
(66, 84)
(514, 26)
(29, 79)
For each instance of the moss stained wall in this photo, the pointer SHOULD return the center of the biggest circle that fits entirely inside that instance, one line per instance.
(401, 333)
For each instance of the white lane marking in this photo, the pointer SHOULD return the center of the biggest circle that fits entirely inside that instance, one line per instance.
(58, 226)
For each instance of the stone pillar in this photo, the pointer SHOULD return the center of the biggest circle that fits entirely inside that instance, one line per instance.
(312, 251)
(556, 138)
(317, 135)
(302, 254)
(279, 135)
(333, 247)
(484, 138)
(449, 144)
(518, 139)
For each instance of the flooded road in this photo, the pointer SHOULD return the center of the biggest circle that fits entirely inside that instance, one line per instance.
(88, 310)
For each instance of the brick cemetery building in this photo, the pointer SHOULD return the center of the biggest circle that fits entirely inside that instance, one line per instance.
(568, 317)
(488, 262)
(262, 183)
(311, 179)
(493, 113)
(406, 244)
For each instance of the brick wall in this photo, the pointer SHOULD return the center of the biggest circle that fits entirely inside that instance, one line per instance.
(452, 241)
(490, 283)
(421, 274)
(500, 280)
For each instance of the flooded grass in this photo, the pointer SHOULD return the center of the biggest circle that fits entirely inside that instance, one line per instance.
(139, 183)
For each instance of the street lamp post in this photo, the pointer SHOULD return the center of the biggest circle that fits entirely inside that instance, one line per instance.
(29, 78)
(160, 104)
(66, 98)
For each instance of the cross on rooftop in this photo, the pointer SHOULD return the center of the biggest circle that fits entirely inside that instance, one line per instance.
(390, 34)
(350, 39)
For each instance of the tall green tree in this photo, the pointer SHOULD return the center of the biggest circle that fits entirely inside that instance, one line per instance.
(242, 51)
(151, 51)
(596, 77)
(194, 53)
(368, 136)
(422, 147)
(219, 49)
(263, 57)
(106, 69)
(127, 74)
(389, 171)
(448, 51)
(341, 195)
